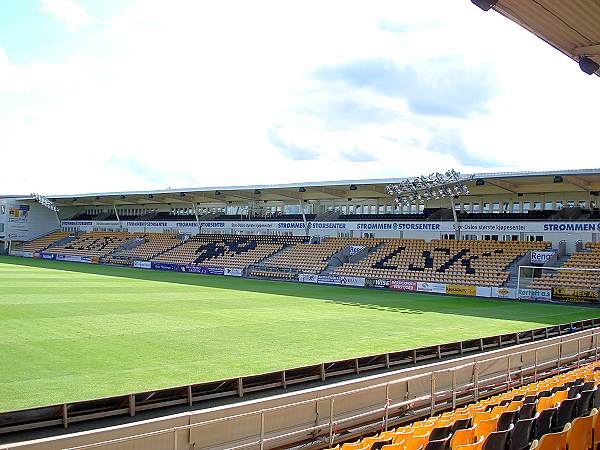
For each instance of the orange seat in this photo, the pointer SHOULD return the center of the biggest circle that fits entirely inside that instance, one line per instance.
(552, 441)
(581, 434)
(474, 446)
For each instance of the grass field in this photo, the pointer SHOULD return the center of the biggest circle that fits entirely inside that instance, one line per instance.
(73, 331)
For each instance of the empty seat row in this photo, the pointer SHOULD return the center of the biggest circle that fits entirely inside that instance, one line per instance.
(557, 413)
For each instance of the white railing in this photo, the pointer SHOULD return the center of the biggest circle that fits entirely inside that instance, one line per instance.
(535, 371)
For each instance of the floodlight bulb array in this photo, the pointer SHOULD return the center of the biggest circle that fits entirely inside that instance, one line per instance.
(434, 186)
(45, 202)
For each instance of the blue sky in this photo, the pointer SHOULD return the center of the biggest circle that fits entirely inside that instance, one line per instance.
(141, 94)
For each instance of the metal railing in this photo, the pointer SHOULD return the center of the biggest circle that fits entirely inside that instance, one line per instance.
(476, 388)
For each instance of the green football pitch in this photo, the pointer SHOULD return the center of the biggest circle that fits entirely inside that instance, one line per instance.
(73, 331)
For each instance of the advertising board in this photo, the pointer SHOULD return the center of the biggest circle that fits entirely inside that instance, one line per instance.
(535, 294)
(504, 292)
(400, 285)
(377, 283)
(575, 294)
(540, 257)
(461, 289)
(342, 281)
(308, 278)
(435, 288)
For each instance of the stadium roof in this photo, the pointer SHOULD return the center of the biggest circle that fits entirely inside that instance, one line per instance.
(571, 26)
(583, 180)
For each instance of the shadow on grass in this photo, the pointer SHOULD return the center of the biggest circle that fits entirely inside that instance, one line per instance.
(383, 300)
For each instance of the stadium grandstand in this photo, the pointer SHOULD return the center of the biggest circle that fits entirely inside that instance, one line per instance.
(359, 232)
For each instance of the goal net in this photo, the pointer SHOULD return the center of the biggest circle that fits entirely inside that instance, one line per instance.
(570, 284)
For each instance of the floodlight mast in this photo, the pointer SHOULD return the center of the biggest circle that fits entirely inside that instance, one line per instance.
(435, 186)
(46, 202)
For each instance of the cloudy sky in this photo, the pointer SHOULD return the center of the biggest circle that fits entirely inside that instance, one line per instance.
(105, 95)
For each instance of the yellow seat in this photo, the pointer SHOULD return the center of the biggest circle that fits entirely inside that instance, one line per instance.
(485, 427)
(552, 441)
(462, 437)
(581, 434)
(415, 442)
(473, 446)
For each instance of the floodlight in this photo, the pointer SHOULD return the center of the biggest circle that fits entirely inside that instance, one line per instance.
(588, 65)
(486, 5)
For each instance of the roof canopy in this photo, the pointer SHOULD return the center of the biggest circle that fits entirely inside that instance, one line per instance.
(488, 184)
(571, 26)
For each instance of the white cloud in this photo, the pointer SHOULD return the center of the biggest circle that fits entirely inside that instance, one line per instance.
(191, 91)
(71, 13)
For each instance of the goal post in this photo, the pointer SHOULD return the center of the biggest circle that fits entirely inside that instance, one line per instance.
(570, 284)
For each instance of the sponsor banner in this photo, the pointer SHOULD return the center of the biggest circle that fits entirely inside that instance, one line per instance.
(21, 254)
(354, 249)
(399, 285)
(483, 291)
(575, 294)
(74, 258)
(535, 294)
(398, 226)
(540, 257)
(504, 292)
(461, 289)
(342, 281)
(327, 225)
(166, 266)
(51, 256)
(204, 270)
(142, 264)
(436, 288)
(291, 225)
(308, 278)
(377, 283)
(18, 214)
(232, 272)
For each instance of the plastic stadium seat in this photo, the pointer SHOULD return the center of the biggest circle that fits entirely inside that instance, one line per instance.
(485, 427)
(522, 434)
(506, 419)
(581, 434)
(440, 432)
(416, 442)
(565, 412)
(474, 446)
(584, 403)
(498, 440)
(545, 422)
(552, 441)
(438, 444)
(462, 437)
(461, 424)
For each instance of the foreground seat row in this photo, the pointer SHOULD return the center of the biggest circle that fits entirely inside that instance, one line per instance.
(558, 413)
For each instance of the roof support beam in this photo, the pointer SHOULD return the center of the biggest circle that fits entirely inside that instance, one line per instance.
(590, 50)
(576, 181)
(507, 186)
(329, 191)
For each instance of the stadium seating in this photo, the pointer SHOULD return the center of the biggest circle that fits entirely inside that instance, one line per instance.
(95, 243)
(152, 245)
(42, 243)
(314, 258)
(556, 413)
(480, 263)
(589, 259)
(226, 251)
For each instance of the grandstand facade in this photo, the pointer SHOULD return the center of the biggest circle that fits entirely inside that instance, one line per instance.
(346, 232)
